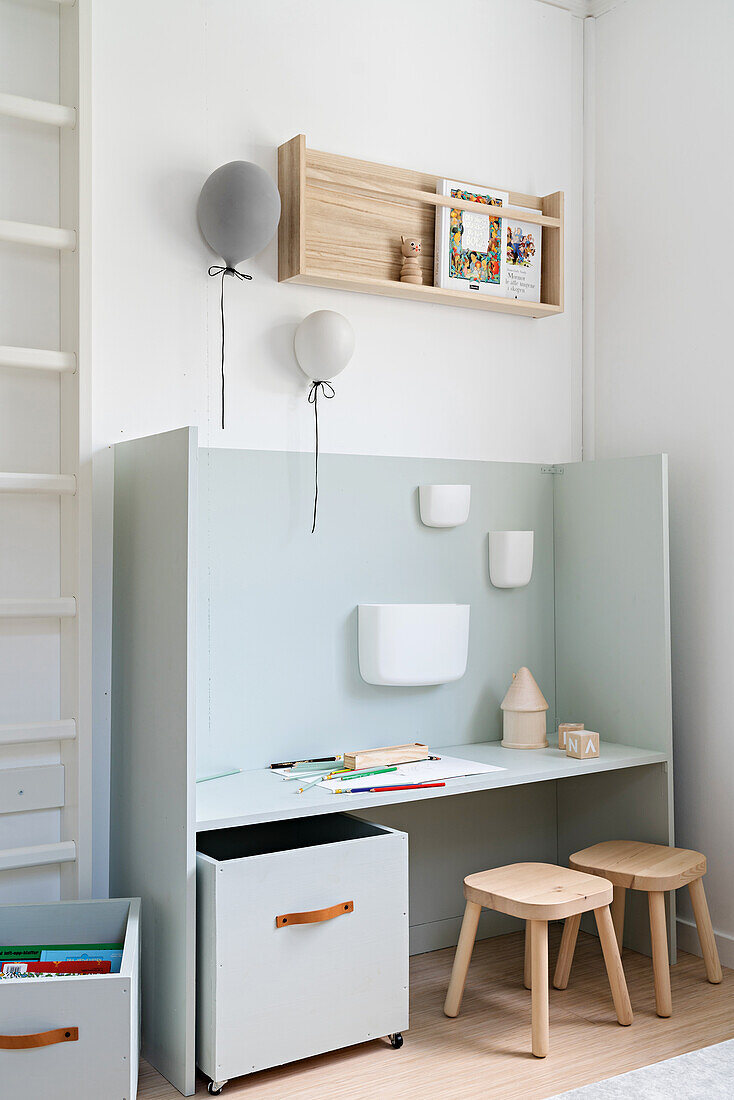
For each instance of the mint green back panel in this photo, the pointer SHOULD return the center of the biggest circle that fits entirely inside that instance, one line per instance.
(279, 672)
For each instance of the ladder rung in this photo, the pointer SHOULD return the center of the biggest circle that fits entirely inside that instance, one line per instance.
(30, 733)
(37, 855)
(56, 607)
(43, 236)
(38, 483)
(37, 359)
(36, 110)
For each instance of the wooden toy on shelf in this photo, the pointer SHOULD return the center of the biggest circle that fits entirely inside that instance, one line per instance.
(524, 707)
(582, 744)
(564, 729)
(411, 272)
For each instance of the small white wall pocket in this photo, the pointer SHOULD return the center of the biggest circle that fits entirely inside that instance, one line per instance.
(510, 558)
(444, 505)
(413, 645)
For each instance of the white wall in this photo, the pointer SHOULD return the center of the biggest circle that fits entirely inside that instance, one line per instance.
(181, 86)
(664, 246)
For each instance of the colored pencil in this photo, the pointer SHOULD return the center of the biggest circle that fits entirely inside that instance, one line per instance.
(377, 790)
(346, 774)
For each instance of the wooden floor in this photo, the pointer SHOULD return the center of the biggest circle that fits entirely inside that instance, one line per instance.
(485, 1051)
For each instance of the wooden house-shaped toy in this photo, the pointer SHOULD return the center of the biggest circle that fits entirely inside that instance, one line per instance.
(524, 708)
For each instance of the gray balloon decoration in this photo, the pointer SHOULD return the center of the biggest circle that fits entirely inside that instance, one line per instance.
(238, 212)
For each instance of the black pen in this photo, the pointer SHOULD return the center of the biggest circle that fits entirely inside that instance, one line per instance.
(316, 760)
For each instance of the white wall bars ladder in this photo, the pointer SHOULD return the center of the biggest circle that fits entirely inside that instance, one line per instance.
(58, 775)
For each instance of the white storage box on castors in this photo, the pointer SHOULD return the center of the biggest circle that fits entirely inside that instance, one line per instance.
(75, 1036)
(302, 930)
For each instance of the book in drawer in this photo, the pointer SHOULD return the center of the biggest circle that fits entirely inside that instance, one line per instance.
(71, 1037)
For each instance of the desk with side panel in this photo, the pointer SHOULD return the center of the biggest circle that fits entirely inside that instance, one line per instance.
(234, 644)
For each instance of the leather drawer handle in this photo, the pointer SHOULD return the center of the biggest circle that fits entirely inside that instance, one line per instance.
(40, 1039)
(314, 916)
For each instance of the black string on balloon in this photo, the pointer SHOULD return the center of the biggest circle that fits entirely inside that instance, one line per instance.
(327, 391)
(224, 271)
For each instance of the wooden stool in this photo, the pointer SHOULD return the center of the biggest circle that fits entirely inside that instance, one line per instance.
(537, 893)
(654, 868)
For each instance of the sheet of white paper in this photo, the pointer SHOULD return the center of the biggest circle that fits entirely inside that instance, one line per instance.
(424, 771)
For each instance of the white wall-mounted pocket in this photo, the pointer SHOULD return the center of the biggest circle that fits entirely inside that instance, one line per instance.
(510, 558)
(444, 505)
(413, 645)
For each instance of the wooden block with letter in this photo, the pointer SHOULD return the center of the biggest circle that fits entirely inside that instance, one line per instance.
(566, 727)
(582, 744)
(391, 754)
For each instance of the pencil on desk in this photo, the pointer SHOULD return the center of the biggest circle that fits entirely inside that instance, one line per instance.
(315, 760)
(377, 790)
(345, 773)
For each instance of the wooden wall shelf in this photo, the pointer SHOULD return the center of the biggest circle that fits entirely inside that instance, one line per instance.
(342, 220)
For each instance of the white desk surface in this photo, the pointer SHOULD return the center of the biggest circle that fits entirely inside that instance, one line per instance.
(254, 796)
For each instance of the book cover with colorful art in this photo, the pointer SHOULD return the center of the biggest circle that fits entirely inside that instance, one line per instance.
(468, 254)
(521, 256)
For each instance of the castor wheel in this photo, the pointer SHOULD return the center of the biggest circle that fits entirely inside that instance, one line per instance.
(396, 1040)
(215, 1087)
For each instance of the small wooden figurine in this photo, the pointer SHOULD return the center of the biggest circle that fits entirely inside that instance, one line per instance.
(523, 718)
(582, 744)
(564, 728)
(411, 272)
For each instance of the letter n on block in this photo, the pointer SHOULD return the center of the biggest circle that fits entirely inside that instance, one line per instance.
(582, 744)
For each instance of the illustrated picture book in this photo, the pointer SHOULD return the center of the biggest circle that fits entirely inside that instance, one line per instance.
(521, 253)
(468, 253)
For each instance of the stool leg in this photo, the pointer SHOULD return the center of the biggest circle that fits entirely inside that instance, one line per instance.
(565, 953)
(660, 965)
(613, 963)
(705, 931)
(462, 958)
(620, 895)
(539, 996)
(527, 977)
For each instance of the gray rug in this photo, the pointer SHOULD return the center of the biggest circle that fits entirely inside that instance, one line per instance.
(702, 1073)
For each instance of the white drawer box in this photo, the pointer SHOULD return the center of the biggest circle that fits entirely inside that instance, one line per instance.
(271, 991)
(98, 1060)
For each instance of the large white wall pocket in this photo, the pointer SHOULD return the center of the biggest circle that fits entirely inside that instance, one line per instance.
(413, 645)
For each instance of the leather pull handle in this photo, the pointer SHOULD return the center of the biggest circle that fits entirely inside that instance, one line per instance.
(40, 1039)
(314, 916)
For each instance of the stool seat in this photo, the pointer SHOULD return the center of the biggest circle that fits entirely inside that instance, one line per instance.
(653, 869)
(638, 866)
(537, 891)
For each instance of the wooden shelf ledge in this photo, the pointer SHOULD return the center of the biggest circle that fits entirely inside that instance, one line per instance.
(342, 220)
(389, 288)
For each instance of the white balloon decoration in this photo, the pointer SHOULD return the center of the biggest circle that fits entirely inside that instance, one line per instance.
(324, 344)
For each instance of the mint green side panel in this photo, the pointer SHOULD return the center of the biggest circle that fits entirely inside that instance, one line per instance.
(612, 599)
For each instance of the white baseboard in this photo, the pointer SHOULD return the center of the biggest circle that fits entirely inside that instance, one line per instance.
(445, 933)
(688, 941)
